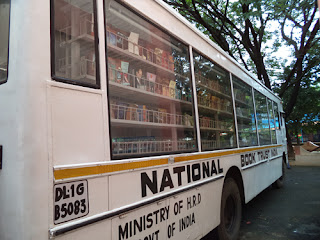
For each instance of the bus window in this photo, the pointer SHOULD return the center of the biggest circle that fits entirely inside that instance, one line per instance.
(75, 44)
(4, 39)
(245, 113)
(272, 122)
(214, 104)
(276, 114)
(150, 93)
(262, 119)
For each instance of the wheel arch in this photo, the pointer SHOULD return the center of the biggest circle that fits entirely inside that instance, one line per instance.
(235, 173)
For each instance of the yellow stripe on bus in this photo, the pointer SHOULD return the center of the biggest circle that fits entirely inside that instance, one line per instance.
(219, 154)
(60, 174)
(96, 170)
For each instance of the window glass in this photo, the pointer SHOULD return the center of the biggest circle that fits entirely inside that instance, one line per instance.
(262, 118)
(150, 93)
(75, 51)
(214, 104)
(272, 122)
(247, 131)
(276, 114)
(4, 38)
(282, 119)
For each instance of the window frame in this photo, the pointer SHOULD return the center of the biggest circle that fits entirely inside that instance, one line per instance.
(8, 45)
(256, 92)
(53, 53)
(175, 38)
(235, 78)
(270, 102)
(203, 55)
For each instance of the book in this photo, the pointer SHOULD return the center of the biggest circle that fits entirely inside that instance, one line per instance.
(172, 89)
(171, 63)
(158, 86)
(120, 41)
(124, 66)
(118, 75)
(123, 107)
(138, 79)
(165, 60)
(142, 113)
(152, 79)
(113, 111)
(165, 91)
(131, 112)
(187, 119)
(158, 52)
(112, 38)
(133, 43)
(162, 115)
(150, 55)
(112, 66)
(165, 87)
(132, 78)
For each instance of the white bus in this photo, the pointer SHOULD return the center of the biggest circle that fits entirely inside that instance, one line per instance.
(120, 120)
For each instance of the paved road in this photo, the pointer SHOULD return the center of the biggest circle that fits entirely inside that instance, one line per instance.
(290, 213)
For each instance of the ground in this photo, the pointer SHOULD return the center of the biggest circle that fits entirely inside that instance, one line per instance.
(289, 213)
(292, 212)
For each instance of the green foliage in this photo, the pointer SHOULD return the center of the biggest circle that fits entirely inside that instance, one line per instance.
(306, 113)
(252, 31)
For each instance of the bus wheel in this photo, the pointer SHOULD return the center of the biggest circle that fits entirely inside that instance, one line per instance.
(280, 181)
(230, 213)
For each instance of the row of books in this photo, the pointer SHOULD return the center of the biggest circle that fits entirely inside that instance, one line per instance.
(212, 84)
(122, 72)
(133, 44)
(138, 145)
(207, 122)
(214, 102)
(143, 113)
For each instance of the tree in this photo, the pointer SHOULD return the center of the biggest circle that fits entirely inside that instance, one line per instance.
(303, 38)
(243, 29)
(307, 120)
(238, 28)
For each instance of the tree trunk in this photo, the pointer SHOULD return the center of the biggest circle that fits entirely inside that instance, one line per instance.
(297, 136)
(291, 154)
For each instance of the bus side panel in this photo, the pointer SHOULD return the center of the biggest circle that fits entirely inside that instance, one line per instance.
(134, 186)
(77, 127)
(258, 178)
(188, 215)
(197, 212)
(24, 183)
(192, 213)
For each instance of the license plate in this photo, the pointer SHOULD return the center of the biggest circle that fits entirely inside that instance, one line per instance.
(70, 201)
